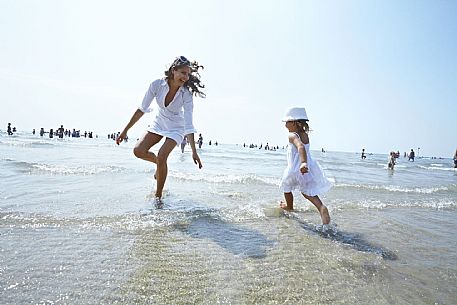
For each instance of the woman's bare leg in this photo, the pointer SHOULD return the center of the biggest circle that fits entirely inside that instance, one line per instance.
(161, 161)
(320, 207)
(142, 147)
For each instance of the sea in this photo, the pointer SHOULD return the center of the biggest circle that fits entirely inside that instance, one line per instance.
(78, 226)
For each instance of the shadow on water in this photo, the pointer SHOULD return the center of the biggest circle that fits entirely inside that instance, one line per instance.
(355, 240)
(238, 240)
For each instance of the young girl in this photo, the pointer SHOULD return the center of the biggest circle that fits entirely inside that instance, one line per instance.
(173, 120)
(302, 172)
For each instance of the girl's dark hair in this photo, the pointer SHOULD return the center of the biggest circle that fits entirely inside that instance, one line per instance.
(194, 83)
(303, 124)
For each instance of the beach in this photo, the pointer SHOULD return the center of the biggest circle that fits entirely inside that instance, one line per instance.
(77, 226)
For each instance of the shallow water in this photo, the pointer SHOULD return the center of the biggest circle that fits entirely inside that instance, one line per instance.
(77, 226)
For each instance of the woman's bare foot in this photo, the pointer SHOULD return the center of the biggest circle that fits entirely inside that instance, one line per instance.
(158, 203)
(283, 205)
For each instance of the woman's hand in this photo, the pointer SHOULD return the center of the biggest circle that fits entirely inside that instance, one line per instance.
(121, 137)
(135, 117)
(197, 159)
(304, 168)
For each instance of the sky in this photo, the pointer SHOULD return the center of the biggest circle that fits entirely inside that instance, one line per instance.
(379, 75)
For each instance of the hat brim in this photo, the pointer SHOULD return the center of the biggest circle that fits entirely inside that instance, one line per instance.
(289, 119)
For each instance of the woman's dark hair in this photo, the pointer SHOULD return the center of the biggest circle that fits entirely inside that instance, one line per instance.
(194, 83)
(304, 125)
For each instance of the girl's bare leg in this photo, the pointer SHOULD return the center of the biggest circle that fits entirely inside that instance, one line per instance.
(142, 147)
(320, 207)
(161, 161)
(289, 204)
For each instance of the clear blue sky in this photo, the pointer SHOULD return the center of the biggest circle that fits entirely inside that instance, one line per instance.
(375, 74)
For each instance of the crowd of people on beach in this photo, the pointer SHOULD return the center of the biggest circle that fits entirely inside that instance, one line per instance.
(199, 142)
(59, 132)
(114, 136)
(266, 147)
(185, 141)
(411, 155)
(393, 156)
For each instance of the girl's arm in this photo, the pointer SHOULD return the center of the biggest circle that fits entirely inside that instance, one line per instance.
(135, 117)
(294, 139)
(190, 139)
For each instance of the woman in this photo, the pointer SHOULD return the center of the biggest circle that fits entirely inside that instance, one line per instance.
(173, 120)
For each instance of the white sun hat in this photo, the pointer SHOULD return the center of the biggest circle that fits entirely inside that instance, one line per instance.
(295, 114)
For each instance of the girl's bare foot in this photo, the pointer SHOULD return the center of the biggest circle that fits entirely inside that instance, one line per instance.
(324, 215)
(283, 205)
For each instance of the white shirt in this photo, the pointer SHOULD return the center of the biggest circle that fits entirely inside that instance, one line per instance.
(175, 120)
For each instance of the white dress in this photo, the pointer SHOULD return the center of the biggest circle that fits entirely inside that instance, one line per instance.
(312, 183)
(173, 121)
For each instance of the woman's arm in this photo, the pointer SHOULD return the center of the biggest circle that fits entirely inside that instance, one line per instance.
(144, 107)
(135, 117)
(189, 128)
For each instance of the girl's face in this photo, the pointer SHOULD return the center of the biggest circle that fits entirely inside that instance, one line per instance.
(181, 75)
(291, 126)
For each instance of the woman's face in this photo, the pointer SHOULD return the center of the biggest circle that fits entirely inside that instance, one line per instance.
(181, 75)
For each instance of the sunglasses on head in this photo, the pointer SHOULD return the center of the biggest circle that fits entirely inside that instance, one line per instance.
(181, 60)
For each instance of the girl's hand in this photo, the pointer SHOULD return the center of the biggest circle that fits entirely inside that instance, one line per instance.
(304, 168)
(121, 137)
(197, 159)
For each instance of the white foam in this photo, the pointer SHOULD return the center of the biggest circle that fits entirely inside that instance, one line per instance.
(239, 179)
(74, 170)
(394, 188)
(450, 169)
(377, 204)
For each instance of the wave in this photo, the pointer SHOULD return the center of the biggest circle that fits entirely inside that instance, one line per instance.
(450, 169)
(37, 168)
(38, 144)
(231, 179)
(183, 213)
(132, 221)
(378, 204)
(401, 189)
(77, 170)
(28, 144)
